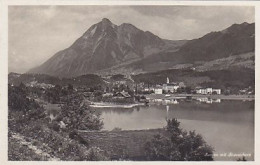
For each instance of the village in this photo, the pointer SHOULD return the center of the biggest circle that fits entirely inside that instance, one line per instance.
(122, 91)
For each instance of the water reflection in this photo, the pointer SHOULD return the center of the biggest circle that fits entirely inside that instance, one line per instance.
(225, 111)
(164, 101)
(177, 101)
(208, 100)
(226, 125)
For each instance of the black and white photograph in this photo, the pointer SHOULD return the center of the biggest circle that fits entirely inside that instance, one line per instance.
(131, 83)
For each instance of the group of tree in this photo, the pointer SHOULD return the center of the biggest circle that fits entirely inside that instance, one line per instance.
(18, 100)
(27, 117)
(75, 112)
(21, 108)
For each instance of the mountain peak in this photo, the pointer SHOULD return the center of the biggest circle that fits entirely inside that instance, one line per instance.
(106, 23)
(106, 20)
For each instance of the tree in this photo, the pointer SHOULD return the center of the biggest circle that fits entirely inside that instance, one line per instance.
(179, 145)
(76, 114)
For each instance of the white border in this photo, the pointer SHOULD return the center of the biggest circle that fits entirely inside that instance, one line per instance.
(4, 69)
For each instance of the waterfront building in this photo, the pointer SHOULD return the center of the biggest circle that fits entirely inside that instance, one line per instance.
(158, 91)
(208, 91)
(217, 91)
(172, 87)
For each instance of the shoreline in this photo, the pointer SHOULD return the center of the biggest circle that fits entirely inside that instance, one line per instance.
(183, 96)
(113, 105)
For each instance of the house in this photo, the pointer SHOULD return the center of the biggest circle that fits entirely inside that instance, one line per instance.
(148, 89)
(122, 95)
(170, 87)
(216, 91)
(208, 91)
(125, 94)
(201, 91)
(158, 90)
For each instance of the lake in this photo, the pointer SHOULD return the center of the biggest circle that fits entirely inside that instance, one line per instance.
(228, 126)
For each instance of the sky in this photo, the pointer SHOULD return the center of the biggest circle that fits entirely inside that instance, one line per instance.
(36, 33)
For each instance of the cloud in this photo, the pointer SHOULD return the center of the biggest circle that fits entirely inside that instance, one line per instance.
(38, 32)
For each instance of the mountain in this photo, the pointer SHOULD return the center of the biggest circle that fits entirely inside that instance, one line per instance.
(106, 48)
(102, 46)
(236, 40)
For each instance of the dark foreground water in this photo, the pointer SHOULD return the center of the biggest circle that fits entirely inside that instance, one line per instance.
(228, 126)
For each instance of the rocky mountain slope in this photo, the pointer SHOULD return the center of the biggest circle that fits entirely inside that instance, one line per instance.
(102, 46)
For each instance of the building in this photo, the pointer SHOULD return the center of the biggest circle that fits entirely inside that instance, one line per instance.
(170, 87)
(216, 91)
(201, 91)
(208, 91)
(122, 95)
(158, 90)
